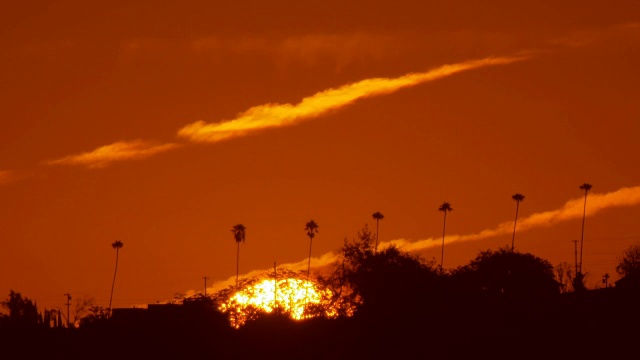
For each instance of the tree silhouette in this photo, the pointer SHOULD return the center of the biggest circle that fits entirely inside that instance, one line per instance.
(377, 216)
(586, 187)
(511, 274)
(628, 268)
(445, 207)
(95, 316)
(629, 264)
(578, 282)
(23, 312)
(116, 245)
(564, 275)
(311, 228)
(518, 198)
(380, 283)
(239, 234)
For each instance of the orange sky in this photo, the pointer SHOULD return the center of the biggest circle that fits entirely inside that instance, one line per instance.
(164, 125)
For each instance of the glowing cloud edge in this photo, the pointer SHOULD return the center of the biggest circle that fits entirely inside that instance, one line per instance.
(572, 209)
(118, 151)
(278, 115)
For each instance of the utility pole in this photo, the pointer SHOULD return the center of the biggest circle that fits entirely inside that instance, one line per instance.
(68, 307)
(586, 187)
(575, 245)
(605, 280)
(205, 285)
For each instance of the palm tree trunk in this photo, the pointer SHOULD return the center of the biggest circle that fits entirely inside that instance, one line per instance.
(114, 281)
(237, 262)
(306, 291)
(514, 225)
(584, 214)
(377, 232)
(309, 265)
(444, 226)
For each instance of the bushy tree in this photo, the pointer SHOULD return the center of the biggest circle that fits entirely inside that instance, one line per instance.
(578, 282)
(565, 275)
(509, 274)
(22, 311)
(629, 264)
(387, 279)
(95, 315)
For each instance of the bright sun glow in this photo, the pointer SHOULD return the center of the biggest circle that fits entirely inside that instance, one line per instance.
(298, 298)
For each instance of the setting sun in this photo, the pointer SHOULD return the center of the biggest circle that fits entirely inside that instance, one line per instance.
(291, 296)
(209, 166)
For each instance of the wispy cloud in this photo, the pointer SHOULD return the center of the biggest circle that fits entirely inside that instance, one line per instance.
(577, 39)
(118, 151)
(309, 49)
(316, 262)
(342, 49)
(278, 115)
(6, 177)
(587, 37)
(272, 115)
(572, 209)
(11, 176)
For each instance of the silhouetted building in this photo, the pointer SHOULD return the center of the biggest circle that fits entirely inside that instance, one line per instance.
(190, 311)
(128, 315)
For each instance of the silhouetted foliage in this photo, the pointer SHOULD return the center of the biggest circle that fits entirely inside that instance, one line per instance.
(286, 295)
(629, 264)
(388, 279)
(578, 283)
(408, 310)
(565, 275)
(23, 312)
(629, 268)
(502, 305)
(509, 274)
(95, 316)
(239, 233)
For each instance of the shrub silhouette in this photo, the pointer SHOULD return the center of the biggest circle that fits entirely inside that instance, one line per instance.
(508, 274)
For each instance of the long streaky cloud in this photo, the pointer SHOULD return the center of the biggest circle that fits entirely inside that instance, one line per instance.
(118, 151)
(572, 209)
(279, 115)
(272, 115)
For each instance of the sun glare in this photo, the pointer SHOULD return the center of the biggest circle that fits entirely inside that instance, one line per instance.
(297, 298)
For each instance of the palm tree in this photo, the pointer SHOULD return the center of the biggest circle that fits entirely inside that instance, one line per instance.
(377, 216)
(586, 187)
(116, 245)
(445, 207)
(517, 198)
(312, 229)
(239, 233)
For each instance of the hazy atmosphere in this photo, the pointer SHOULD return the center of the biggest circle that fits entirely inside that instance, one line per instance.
(163, 126)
